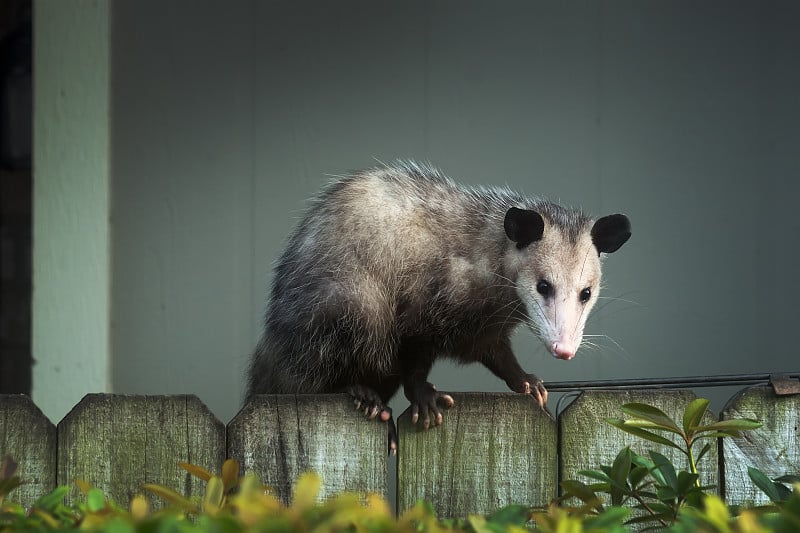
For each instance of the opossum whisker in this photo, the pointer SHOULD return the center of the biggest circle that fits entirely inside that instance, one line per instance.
(621, 350)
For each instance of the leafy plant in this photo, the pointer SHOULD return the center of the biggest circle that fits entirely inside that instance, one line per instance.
(651, 483)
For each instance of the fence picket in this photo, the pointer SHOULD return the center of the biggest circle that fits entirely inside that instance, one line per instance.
(587, 441)
(281, 436)
(491, 450)
(774, 448)
(117, 443)
(29, 438)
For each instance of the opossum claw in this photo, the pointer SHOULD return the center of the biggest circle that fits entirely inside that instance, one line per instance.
(535, 387)
(428, 400)
(367, 401)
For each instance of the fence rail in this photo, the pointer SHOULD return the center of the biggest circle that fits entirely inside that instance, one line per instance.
(491, 450)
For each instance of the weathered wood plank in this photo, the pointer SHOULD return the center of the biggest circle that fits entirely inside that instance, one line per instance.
(587, 441)
(774, 448)
(30, 439)
(491, 450)
(280, 437)
(117, 443)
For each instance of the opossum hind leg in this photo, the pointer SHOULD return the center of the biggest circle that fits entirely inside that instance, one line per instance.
(370, 403)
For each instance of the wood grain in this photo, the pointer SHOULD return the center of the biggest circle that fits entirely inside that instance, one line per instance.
(30, 439)
(491, 450)
(117, 443)
(587, 441)
(280, 437)
(774, 448)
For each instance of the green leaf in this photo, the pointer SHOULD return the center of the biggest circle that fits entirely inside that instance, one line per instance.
(511, 515)
(9, 484)
(764, 483)
(619, 474)
(651, 414)
(95, 500)
(686, 482)
(667, 494)
(703, 451)
(739, 424)
(666, 468)
(594, 474)
(613, 516)
(641, 433)
(638, 473)
(581, 491)
(694, 414)
(51, 500)
(788, 478)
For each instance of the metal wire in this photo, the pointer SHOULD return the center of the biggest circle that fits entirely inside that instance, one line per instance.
(725, 380)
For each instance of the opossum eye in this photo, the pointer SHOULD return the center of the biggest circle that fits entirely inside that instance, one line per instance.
(585, 295)
(544, 288)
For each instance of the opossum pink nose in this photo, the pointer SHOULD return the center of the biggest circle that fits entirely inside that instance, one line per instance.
(562, 351)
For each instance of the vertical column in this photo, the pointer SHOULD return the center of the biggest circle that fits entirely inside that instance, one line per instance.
(71, 266)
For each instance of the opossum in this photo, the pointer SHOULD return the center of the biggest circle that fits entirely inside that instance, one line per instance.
(397, 265)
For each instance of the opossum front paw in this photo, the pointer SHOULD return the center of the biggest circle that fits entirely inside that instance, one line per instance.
(535, 387)
(368, 402)
(426, 400)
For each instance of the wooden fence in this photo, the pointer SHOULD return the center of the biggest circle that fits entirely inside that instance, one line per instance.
(491, 450)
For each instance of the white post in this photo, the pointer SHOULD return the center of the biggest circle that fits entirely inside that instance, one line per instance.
(71, 203)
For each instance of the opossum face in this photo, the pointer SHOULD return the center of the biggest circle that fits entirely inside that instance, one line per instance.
(558, 273)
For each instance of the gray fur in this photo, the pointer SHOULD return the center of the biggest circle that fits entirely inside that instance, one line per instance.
(388, 262)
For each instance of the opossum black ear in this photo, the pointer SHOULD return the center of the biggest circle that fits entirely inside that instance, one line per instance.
(611, 232)
(523, 226)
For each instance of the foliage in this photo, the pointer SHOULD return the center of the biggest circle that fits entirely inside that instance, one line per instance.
(663, 495)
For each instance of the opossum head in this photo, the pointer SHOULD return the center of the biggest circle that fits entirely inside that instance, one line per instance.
(555, 263)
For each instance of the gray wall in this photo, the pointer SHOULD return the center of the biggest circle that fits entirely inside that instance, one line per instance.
(227, 116)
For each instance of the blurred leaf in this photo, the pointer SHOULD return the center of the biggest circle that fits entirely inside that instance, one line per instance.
(214, 495)
(581, 491)
(8, 484)
(611, 517)
(140, 508)
(230, 474)
(686, 481)
(306, 491)
(511, 514)
(196, 471)
(651, 414)
(694, 413)
(95, 500)
(788, 478)
(83, 486)
(51, 500)
(171, 496)
(641, 433)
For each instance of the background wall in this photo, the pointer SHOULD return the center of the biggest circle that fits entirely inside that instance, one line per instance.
(227, 116)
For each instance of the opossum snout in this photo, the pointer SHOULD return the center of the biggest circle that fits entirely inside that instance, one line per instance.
(562, 350)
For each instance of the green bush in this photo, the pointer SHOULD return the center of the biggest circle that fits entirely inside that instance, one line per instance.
(643, 491)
